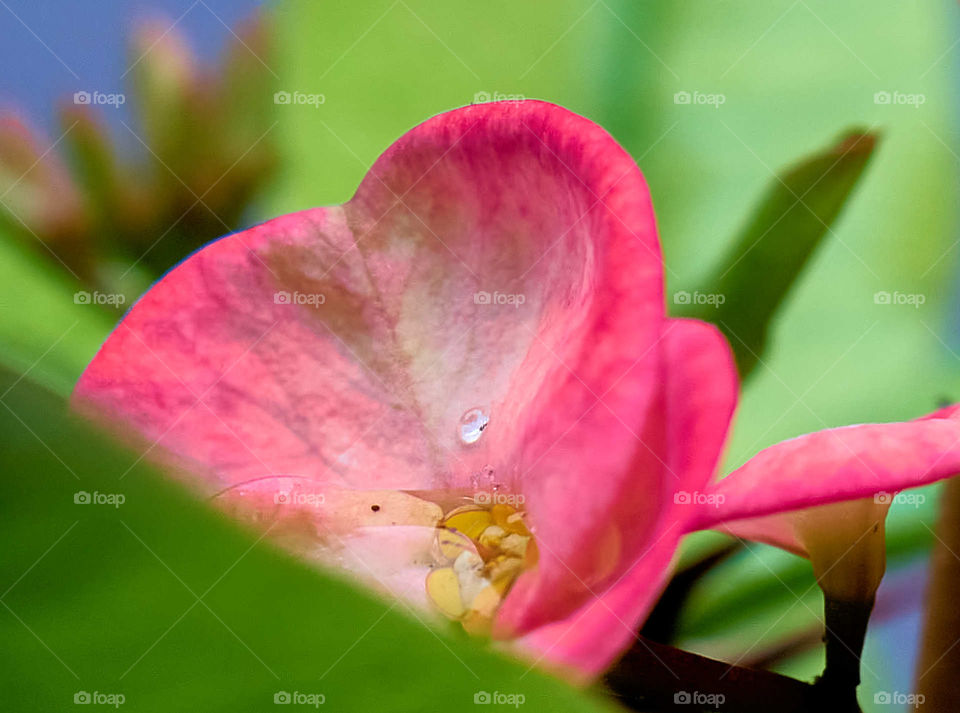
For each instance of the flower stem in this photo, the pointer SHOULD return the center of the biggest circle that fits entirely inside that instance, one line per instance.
(845, 628)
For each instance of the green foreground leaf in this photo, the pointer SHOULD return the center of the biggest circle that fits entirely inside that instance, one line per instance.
(165, 602)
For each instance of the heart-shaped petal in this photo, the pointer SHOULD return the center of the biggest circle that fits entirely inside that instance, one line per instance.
(484, 314)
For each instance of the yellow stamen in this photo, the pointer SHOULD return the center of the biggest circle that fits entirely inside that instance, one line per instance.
(483, 608)
(471, 523)
(451, 544)
(492, 536)
(443, 588)
(509, 519)
(484, 551)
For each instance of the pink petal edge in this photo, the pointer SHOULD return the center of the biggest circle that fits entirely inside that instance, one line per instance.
(830, 466)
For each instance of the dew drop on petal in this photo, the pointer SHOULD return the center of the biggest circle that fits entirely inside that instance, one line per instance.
(472, 424)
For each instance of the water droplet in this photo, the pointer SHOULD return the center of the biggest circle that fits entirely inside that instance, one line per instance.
(472, 424)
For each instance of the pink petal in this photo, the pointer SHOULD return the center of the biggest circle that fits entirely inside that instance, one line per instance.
(776, 530)
(208, 366)
(699, 392)
(703, 387)
(367, 390)
(593, 636)
(831, 466)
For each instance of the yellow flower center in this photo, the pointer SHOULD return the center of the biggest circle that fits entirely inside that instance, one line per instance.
(478, 555)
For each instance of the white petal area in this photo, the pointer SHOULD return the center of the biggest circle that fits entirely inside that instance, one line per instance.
(386, 539)
(394, 559)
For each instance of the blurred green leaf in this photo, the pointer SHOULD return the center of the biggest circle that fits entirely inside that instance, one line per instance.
(385, 66)
(94, 164)
(165, 601)
(770, 253)
(43, 329)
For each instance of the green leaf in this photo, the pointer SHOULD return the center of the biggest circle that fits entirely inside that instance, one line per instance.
(166, 602)
(46, 327)
(769, 255)
(385, 66)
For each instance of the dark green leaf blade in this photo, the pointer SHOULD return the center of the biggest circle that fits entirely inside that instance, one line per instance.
(791, 220)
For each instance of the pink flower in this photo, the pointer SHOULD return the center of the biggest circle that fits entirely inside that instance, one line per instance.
(481, 325)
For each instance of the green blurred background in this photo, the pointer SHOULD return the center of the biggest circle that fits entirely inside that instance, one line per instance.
(793, 76)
